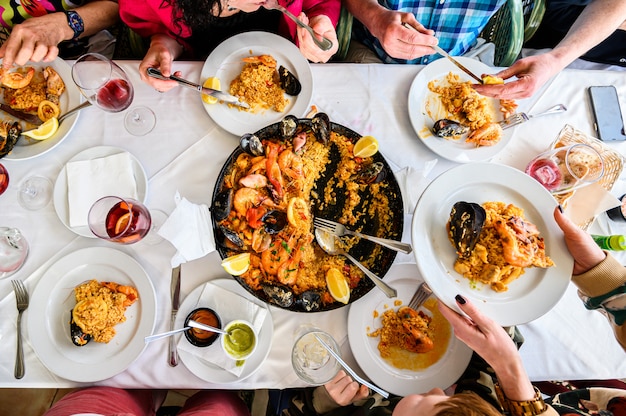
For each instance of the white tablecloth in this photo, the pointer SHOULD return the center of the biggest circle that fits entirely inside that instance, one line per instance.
(185, 152)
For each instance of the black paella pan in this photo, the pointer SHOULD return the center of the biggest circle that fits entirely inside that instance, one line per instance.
(363, 249)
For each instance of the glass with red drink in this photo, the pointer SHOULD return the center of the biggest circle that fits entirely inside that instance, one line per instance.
(120, 220)
(4, 179)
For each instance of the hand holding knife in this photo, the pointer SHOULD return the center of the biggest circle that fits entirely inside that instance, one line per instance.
(175, 290)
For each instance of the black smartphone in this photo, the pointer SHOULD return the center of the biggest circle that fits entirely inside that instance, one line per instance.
(609, 124)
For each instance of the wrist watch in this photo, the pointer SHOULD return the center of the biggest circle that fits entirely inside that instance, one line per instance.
(535, 406)
(75, 22)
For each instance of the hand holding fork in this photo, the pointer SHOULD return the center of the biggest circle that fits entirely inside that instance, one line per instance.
(339, 230)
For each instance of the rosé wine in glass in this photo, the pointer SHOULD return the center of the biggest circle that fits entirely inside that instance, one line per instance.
(4, 179)
(120, 220)
(116, 95)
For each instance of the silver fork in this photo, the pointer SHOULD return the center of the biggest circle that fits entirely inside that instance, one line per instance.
(422, 293)
(324, 44)
(21, 298)
(519, 118)
(339, 230)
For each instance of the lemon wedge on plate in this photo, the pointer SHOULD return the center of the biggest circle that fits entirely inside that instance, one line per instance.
(213, 83)
(237, 264)
(366, 146)
(45, 131)
(337, 285)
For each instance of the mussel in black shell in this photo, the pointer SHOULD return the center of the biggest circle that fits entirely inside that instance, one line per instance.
(222, 205)
(251, 144)
(310, 301)
(288, 81)
(274, 221)
(9, 133)
(279, 295)
(79, 338)
(371, 173)
(320, 124)
(464, 226)
(288, 126)
(449, 128)
(232, 236)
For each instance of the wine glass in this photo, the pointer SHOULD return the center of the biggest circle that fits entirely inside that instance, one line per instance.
(13, 251)
(107, 86)
(4, 179)
(310, 360)
(122, 220)
(35, 192)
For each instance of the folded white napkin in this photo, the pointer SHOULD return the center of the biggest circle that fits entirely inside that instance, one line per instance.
(90, 180)
(189, 229)
(412, 183)
(578, 208)
(229, 306)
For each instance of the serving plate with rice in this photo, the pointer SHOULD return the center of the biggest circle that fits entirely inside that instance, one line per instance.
(529, 296)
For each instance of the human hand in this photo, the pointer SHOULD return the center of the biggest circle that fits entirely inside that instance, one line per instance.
(322, 26)
(163, 50)
(35, 39)
(586, 253)
(399, 41)
(344, 391)
(531, 72)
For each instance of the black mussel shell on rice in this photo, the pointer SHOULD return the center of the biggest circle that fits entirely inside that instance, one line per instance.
(464, 226)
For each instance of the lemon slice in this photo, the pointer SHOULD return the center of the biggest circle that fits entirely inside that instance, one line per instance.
(45, 131)
(122, 223)
(237, 264)
(214, 83)
(297, 211)
(492, 79)
(367, 146)
(337, 285)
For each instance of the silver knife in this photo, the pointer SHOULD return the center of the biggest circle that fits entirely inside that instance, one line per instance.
(155, 73)
(175, 289)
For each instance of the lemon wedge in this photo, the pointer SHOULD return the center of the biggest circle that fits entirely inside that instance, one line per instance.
(122, 223)
(45, 131)
(237, 265)
(492, 79)
(366, 146)
(213, 83)
(337, 285)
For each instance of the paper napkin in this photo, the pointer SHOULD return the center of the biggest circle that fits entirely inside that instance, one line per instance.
(580, 210)
(189, 229)
(229, 306)
(412, 183)
(90, 180)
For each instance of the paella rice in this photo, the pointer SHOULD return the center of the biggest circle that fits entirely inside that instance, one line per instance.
(506, 245)
(100, 306)
(258, 85)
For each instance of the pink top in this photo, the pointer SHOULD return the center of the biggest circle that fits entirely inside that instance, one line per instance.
(149, 17)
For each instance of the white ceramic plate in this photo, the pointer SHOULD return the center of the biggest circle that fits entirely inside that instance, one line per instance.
(532, 294)
(211, 372)
(60, 186)
(69, 99)
(225, 63)
(53, 298)
(425, 108)
(405, 278)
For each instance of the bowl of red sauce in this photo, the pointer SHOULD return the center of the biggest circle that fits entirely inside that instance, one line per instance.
(200, 337)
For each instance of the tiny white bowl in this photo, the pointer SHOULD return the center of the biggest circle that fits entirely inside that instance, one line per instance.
(226, 339)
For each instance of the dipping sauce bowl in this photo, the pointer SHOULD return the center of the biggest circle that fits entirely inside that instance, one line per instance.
(200, 337)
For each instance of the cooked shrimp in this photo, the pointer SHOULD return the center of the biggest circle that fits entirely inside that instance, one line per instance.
(487, 135)
(54, 84)
(287, 272)
(246, 198)
(516, 251)
(417, 340)
(291, 164)
(266, 60)
(16, 80)
(277, 254)
(272, 171)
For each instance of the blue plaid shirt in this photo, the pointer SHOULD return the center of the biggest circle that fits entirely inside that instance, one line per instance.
(457, 24)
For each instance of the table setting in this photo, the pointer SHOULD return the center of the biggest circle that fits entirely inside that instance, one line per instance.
(180, 167)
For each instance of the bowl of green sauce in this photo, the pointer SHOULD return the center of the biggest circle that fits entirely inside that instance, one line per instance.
(241, 341)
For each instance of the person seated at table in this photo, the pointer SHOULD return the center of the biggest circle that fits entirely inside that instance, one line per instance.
(600, 278)
(454, 26)
(593, 30)
(192, 29)
(35, 30)
(111, 401)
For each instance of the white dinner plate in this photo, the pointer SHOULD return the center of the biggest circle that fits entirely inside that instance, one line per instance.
(60, 186)
(209, 371)
(53, 299)
(531, 295)
(405, 278)
(29, 148)
(225, 63)
(425, 108)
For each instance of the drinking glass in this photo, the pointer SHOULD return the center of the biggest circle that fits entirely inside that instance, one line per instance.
(564, 169)
(120, 220)
(107, 86)
(4, 179)
(310, 360)
(35, 192)
(13, 250)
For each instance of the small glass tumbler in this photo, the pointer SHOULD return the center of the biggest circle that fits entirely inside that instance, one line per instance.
(311, 361)
(564, 169)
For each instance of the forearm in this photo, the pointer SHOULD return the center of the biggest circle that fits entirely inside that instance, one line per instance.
(597, 21)
(162, 41)
(97, 15)
(513, 379)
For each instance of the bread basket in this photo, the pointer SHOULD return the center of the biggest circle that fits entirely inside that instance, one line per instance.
(613, 162)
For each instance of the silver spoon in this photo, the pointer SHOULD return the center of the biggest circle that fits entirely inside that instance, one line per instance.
(73, 110)
(196, 324)
(327, 242)
(324, 44)
(165, 334)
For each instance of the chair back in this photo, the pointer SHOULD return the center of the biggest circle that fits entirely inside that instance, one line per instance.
(533, 13)
(344, 34)
(505, 30)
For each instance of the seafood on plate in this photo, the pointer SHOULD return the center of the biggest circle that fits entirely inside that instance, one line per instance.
(494, 243)
(263, 86)
(411, 339)
(99, 307)
(469, 115)
(9, 133)
(265, 205)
